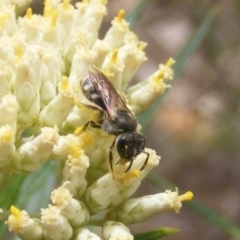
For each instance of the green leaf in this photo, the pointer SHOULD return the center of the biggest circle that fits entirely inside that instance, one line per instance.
(134, 15)
(207, 213)
(181, 60)
(25, 189)
(10, 194)
(38, 184)
(155, 234)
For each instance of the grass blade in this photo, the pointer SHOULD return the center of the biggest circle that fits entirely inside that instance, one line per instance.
(155, 234)
(181, 60)
(134, 15)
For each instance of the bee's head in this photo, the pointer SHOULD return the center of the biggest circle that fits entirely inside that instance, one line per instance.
(129, 145)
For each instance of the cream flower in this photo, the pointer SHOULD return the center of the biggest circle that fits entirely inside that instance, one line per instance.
(141, 209)
(116, 230)
(74, 210)
(25, 227)
(43, 59)
(84, 233)
(55, 225)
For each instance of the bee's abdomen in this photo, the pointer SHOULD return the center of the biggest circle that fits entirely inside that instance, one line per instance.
(90, 92)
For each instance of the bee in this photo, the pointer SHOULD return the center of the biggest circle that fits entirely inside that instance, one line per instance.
(114, 118)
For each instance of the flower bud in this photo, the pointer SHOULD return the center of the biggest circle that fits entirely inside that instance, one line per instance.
(34, 152)
(142, 95)
(140, 209)
(55, 225)
(132, 56)
(85, 234)
(27, 93)
(115, 35)
(59, 107)
(74, 210)
(115, 230)
(74, 172)
(25, 227)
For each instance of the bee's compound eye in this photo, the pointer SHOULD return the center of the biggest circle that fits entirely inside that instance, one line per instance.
(129, 145)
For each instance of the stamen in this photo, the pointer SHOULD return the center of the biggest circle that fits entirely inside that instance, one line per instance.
(114, 56)
(7, 136)
(15, 211)
(170, 62)
(66, 4)
(3, 18)
(186, 196)
(54, 19)
(132, 174)
(64, 83)
(75, 152)
(121, 15)
(29, 13)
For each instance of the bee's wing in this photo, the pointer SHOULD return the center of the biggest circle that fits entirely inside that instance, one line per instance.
(111, 99)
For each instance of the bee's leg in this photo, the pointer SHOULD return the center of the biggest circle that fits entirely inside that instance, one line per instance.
(145, 162)
(91, 123)
(110, 158)
(130, 165)
(96, 123)
(85, 105)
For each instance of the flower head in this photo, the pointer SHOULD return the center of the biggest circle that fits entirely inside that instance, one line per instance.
(47, 116)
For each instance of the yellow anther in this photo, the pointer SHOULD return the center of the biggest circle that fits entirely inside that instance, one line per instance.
(29, 13)
(66, 4)
(7, 136)
(142, 45)
(103, 2)
(3, 18)
(132, 174)
(15, 211)
(75, 151)
(121, 15)
(170, 62)
(54, 18)
(186, 196)
(114, 56)
(64, 83)
(47, 11)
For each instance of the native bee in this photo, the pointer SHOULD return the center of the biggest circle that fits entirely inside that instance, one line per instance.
(115, 118)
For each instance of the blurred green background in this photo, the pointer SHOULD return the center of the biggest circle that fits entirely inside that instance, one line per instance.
(195, 129)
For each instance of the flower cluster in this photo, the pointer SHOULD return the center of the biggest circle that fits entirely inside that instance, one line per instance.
(42, 60)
